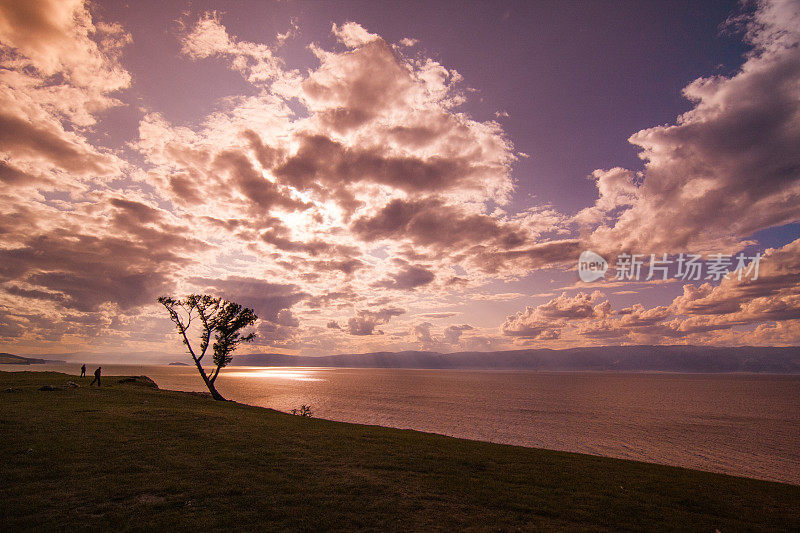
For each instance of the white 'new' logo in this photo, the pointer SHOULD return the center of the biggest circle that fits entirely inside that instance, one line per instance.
(591, 266)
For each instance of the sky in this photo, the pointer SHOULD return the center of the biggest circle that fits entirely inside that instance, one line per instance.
(373, 176)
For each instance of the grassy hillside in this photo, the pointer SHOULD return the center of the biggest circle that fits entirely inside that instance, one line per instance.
(144, 458)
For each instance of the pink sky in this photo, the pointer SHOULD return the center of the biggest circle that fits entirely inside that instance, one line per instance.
(329, 167)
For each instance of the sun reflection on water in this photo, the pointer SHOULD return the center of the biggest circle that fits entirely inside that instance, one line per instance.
(293, 374)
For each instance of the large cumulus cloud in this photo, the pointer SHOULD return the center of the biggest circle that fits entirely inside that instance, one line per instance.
(728, 167)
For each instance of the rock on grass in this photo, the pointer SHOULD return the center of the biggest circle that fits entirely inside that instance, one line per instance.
(144, 381)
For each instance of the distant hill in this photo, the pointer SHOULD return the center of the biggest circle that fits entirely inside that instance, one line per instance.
(698, 359)
(177, 363)
(113, 357)
(11, 359)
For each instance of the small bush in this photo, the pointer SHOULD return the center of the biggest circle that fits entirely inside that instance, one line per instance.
(305, 410)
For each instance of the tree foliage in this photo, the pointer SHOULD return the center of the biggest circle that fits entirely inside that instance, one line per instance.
(221, 322)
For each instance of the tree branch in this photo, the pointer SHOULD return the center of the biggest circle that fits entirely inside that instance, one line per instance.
(214, 376)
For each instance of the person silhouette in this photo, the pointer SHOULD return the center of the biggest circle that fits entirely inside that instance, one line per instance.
(96, 377)
(83, 370)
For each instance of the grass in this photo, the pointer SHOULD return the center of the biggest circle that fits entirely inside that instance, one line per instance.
(130, 457)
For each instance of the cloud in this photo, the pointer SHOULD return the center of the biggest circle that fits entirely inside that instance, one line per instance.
(450, 337)
(377, 123)
(346, 266)
(276, 335)
(59, 36)
(422, 333)
(498, 297)
(86, 271)
(330, 199)
(59, 69)
(545, 321)
(438, 315)
(270, 301)
(353, 35)
(321, 160)
(256, 62)
(617, 190)
(774, 295)
(738, 311)
(430, 222)
(408, 278)
(728, 167)
(491, 243)
(365, 321)
(27, 143)
(452, 334)
(377, 155)
(263, 193)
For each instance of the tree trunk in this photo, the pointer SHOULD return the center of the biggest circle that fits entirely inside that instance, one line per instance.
(214, 393)
(211, 388)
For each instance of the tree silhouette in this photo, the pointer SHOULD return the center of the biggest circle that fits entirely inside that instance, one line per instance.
(218, 317)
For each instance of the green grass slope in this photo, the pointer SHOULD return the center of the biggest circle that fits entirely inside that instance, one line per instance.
(133, 457)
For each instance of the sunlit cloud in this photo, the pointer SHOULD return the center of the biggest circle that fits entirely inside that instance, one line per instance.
(356, 201)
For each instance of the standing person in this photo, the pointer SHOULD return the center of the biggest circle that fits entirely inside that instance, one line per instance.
(83, 370)
(96, 377)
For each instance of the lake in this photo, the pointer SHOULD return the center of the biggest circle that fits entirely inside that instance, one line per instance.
(742, 424)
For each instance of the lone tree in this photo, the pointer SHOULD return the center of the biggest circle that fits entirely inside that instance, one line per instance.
(218, 317)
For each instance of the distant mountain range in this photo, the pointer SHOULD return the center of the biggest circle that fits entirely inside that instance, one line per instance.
(606, 358)
(151, 357)
(11, 359)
